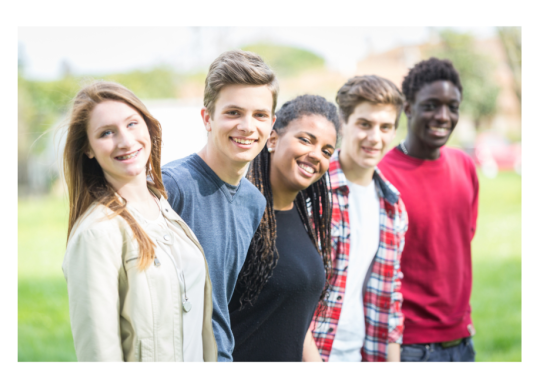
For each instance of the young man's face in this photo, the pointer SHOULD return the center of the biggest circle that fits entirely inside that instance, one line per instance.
(368, 132)
(241, 123)
(433, 115)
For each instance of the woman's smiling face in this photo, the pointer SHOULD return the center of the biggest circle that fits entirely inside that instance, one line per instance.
(302, 152)
(119, 140)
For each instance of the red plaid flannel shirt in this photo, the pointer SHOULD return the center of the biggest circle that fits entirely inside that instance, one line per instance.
(382, 297)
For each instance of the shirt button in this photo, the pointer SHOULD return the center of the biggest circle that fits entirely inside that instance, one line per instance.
(166, 209)
(339, 298)
(166, 237)
(330, 330)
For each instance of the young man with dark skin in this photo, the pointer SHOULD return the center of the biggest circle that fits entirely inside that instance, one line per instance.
(439, 186)
(364, 321)
(208, 190)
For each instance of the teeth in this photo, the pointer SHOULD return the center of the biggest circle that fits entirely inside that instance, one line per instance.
(242, 141)
(124, 157)
(438, 129)
(306, 168)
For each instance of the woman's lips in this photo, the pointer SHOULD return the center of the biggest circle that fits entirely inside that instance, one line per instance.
(128, 156)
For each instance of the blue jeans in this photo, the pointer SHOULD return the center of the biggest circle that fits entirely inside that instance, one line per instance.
(434, 352)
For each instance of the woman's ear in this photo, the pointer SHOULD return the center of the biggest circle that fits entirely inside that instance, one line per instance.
(89, 153)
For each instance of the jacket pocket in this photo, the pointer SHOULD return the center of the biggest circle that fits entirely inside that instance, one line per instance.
(146, 350)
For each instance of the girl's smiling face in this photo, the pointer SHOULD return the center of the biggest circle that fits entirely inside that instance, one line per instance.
(301, 152)
(119, 140)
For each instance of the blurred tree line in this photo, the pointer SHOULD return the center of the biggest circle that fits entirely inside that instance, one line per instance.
(477, 69)
(41, 104)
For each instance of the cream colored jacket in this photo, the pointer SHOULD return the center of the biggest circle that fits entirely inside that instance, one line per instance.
(117, 312)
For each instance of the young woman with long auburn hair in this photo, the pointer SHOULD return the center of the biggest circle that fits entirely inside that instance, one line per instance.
(285, 276)
(138, 282)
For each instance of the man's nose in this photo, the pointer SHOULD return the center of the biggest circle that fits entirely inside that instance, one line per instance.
(246, 124)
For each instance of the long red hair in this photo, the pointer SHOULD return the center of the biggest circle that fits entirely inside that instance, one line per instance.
(84, 177)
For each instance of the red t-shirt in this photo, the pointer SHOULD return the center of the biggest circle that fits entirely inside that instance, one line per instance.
(441, 198)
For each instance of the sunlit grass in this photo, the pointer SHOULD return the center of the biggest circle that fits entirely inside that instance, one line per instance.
(43, 320)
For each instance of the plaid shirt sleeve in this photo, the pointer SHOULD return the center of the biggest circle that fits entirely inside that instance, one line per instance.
(396, 317)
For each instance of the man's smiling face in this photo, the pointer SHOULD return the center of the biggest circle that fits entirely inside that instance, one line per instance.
(241, 122)
(433, 115)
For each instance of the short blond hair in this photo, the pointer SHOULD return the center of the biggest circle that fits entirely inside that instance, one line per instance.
(373, 89)
(238, 67)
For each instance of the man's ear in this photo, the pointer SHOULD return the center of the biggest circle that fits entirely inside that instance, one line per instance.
(274, 121)
(206, 119)
(407, 108)
(272, 140)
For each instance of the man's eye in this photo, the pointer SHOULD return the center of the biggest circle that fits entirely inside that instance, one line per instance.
(429, 106)
(454, 108)
(364, 124)
(387, 127)
(233, 113)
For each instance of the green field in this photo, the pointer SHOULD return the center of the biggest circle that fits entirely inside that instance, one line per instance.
(43, 313)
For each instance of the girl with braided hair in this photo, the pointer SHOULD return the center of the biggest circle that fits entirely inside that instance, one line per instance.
(285, 276)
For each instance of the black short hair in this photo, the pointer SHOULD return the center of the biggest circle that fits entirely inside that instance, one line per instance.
(429, 71)
(304, 105)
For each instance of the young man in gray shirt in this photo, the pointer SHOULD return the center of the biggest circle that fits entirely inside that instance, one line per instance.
(208, 190)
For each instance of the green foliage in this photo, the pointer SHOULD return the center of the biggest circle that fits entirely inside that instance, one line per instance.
(477, 72)
(286, 61)
(44, 332)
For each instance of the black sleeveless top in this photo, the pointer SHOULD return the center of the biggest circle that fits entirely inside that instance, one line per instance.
(275, 327)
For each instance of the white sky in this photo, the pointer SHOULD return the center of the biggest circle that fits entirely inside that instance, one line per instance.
(115, 49)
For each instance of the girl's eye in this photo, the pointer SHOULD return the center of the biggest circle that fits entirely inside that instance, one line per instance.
(106, 133)
(132, 123)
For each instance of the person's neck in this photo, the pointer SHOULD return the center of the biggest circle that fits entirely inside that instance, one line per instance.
(282, 197)
(134, 191)
(417, 149)
(226, 169)
(353, 172)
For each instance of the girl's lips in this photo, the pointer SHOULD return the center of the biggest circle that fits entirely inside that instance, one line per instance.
(126, 157)
(305, 170)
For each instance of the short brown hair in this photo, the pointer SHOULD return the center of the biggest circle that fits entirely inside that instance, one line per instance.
(373, 89)
(238, 67)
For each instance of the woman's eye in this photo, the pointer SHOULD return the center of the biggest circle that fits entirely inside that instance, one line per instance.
(106, 133)
(133, 123)
(327, 153)
(304, 140)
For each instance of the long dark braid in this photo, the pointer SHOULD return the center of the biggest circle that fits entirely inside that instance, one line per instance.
(314, 205)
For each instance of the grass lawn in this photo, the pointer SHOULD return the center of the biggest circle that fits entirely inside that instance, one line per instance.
(43, 313)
